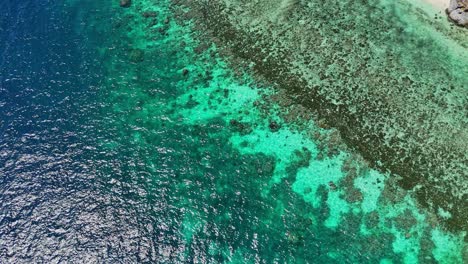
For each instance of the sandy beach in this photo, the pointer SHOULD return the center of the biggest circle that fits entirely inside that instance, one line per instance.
(438, 4)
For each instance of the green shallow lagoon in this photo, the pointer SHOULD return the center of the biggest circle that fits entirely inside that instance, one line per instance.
(226, 165)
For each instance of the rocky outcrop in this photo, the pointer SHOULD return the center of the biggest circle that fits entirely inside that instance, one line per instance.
(458, 12)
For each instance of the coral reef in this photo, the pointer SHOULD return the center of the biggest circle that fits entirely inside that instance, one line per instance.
(397, 96)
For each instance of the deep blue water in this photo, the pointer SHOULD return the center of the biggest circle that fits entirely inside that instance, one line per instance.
(46, 184)
(57, 204)
(43, 74)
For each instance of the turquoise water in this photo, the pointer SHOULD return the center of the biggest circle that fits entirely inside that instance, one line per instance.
(178, 157)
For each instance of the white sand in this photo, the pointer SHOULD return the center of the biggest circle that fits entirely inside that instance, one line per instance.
(438, 4)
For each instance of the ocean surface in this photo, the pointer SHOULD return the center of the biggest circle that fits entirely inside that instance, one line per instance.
(124, 139)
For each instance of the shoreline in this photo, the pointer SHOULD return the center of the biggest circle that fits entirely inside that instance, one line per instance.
(439, 5)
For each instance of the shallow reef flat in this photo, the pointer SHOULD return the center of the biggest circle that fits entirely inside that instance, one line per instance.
(392, 79)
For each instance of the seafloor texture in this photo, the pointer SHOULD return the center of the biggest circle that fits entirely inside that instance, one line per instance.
(394, 86)
(131, 137)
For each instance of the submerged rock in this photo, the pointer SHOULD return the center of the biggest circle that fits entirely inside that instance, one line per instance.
(240, 127)
(137, 55)
(274, 126)
(125, 3)
(149, 14)
(458, 12)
